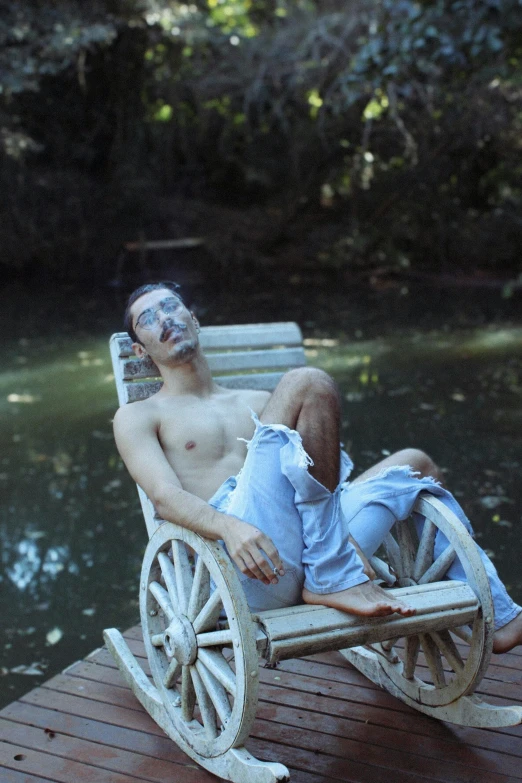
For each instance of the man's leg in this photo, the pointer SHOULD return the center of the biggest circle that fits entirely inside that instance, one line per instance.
(416, 459)
(373, 522)
(307, 401)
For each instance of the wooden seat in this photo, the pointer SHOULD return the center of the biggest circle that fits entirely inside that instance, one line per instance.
(203, 642)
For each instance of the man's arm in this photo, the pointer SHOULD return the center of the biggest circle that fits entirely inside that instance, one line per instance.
(138, 444)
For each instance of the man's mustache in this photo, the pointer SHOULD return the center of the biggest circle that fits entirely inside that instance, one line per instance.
(168, 326)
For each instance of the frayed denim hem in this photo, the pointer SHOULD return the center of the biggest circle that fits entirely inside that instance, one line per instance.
(501, 622)
(338, 587)
(304, 460)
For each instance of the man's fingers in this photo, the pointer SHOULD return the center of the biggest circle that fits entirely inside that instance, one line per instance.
(253, 568)
(252, 551)
(258, 564)
(241, 563)
(268, 546)
(246, 571)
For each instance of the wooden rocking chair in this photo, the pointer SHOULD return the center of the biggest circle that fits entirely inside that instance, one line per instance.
(203, 643)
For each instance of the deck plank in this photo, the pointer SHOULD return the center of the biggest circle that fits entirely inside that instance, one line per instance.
(318, 715)
(12, 776)
(54, 767)
(99, 756)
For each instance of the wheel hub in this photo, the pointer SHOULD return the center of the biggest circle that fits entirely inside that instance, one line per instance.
(179, 641)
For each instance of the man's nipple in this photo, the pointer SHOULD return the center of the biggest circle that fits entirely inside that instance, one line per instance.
(190, 445)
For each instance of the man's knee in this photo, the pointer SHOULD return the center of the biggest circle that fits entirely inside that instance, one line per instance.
(314, 385)
(421, 462)
(304, 390)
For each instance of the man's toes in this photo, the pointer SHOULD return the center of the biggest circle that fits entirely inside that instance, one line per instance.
(403, 609)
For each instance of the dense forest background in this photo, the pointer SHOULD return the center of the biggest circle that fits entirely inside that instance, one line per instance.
(373, 138)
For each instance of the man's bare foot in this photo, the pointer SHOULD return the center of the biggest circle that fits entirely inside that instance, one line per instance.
(366, 600)
(509, 636)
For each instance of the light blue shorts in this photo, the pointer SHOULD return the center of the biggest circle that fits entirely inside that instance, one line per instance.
(310, 525)
(372, 507)
(275, 492)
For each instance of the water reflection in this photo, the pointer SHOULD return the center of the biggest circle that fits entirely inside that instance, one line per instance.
(31, 568)
(71, 528)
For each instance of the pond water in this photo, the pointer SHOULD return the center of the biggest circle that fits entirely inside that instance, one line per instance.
(70, 523)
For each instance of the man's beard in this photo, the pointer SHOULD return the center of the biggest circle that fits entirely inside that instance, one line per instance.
(174, 327)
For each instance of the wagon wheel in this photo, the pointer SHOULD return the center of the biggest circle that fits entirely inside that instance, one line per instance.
(446, 669)
(211, 698)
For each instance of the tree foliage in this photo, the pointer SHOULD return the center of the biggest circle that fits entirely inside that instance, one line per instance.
(399, 119)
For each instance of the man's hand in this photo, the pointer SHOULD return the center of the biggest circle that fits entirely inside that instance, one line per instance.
(368, 570)
(247, 547)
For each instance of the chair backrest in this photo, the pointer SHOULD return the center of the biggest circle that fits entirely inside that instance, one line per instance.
(246, 356)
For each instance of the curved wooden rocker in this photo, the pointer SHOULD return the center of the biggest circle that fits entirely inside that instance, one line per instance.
(203, 643)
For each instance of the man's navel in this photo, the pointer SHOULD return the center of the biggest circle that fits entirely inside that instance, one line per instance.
(190, 444)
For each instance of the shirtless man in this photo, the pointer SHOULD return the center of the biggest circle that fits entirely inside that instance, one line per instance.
(184, 443)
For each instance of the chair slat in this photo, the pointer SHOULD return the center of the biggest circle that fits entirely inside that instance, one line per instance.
(237, 336)
(251, 336)
(121, 345)
(137, 379)
(132, 392)
(133, 369)
(257, 360)
(267, 381)
(140, 391)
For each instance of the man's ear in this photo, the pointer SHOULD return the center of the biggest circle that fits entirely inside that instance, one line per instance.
(198, 327)
(139, 350)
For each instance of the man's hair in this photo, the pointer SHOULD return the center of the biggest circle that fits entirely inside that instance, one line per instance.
(170, 285)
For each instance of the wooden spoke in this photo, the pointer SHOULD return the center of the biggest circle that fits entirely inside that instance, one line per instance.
(206, 708)
(158, 639)
(394, 554)
(209, 615)
(449, 649)
(188, 694)
(183, 574)
(425, 551)
(438, 569)
(382, 570)
(448, 670)
(216, 664)
(214, 638)
(433, 659)
(406, 547)
(463, 632)
(412, 653)
(200, 592)
(167, 569)
(387, 644)
(172, 673)
(216, 691)
(209, 702)
(162, 597)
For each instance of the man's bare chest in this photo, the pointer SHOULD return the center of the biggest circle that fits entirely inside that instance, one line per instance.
(204, 430)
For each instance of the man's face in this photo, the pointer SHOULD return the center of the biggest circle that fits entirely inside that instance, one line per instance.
(166, 329)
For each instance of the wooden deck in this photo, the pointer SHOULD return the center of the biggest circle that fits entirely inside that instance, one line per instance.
(317, 715)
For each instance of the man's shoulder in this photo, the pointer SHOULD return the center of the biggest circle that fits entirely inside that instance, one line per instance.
(255, 394)
(139, 411)
(254, 398)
